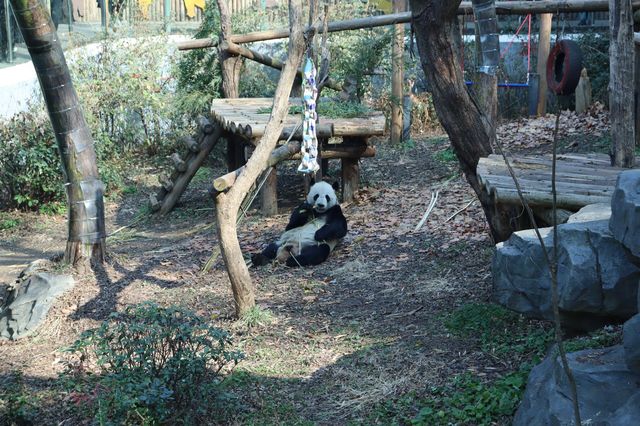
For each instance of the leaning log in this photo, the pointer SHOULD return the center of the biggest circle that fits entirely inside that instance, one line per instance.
(269, 61)
(502, 8)
(181, 182)
(284, 152)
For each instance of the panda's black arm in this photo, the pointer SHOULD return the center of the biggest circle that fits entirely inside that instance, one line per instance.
(300, 216)
(334, 228)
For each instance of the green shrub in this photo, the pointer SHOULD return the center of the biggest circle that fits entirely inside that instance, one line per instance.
(595, 58)
(127, 94)
(157, 364)
(17, 404)
(30, 172)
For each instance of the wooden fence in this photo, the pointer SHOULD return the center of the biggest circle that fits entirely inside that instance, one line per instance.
(132, 11)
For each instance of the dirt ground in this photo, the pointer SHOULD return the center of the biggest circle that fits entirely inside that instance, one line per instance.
(350, 336)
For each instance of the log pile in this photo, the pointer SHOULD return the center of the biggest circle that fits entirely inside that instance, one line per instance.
(581, 179)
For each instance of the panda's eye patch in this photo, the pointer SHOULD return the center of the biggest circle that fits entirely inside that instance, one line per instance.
(315, 197)
(327, 197)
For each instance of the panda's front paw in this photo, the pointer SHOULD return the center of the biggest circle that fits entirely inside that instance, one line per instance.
(320, 235)
(259, 259)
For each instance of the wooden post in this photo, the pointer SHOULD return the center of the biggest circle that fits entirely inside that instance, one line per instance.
(351, 170)
(167, 16)
(269, 194)
(397, 55)
(621, 83)
(7, 23)
(544, 46)
(637, 93)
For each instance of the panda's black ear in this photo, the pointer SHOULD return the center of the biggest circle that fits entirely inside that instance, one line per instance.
(336, 186)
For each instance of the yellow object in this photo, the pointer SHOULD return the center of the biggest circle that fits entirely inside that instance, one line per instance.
(143, 5)
(191, 5)
(385, 6)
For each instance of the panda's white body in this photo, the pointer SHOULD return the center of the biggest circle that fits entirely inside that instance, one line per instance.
(314, 229)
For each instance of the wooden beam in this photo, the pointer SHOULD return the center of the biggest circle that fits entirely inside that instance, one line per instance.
(268, 61)
(502, 8)
(397, 67)
(224, 182)
(544, 46)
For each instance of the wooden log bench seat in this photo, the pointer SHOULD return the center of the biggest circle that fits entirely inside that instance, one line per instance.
(581, 179)
(243, 122)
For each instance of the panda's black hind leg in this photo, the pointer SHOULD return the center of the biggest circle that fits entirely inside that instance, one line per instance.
(267, 255)
(313, 255)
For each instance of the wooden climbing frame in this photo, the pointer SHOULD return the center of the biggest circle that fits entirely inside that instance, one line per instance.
(243, 122)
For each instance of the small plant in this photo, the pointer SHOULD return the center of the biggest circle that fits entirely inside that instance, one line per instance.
(7, 223)
(257, 317)
(16, 403)
(156, 363)
(54, 208)
(445, 156)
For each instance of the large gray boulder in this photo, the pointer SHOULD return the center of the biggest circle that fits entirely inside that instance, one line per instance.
(591, 212)
(29, 301)
(608, 392)
(625, 210)
(597, 280)
(631, 343)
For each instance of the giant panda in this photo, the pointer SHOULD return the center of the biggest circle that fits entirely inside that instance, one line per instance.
(314, 229)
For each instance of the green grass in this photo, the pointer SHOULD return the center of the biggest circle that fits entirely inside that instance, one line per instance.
(500, 331)
(445, 156)
(257, 316)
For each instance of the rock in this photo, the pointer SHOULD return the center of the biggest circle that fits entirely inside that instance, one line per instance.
(597, 282)
(598, 211)
(608, 392)
(29, 301)
(625, 208)
(631, 343)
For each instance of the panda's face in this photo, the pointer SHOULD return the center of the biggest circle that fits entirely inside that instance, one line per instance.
(322, 197)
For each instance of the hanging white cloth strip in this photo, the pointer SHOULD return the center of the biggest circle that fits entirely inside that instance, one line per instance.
(309, 146)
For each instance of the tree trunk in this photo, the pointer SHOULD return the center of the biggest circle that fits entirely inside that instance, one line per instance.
(86, 231)
(544, 45)
(227, 204)
(231, 64)
(621, 81)
(469, 129)
(397, 55)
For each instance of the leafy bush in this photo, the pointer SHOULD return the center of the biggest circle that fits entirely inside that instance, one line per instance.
(595, 58)
(30, 173)
(157, 364)
(17, 404)
(127, 93)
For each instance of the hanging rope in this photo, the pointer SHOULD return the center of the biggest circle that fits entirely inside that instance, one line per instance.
(309, 145)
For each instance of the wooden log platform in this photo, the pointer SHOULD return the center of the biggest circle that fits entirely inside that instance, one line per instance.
(244, 121)
(581, 179)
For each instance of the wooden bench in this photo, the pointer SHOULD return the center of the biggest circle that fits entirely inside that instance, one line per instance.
(244, 120)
